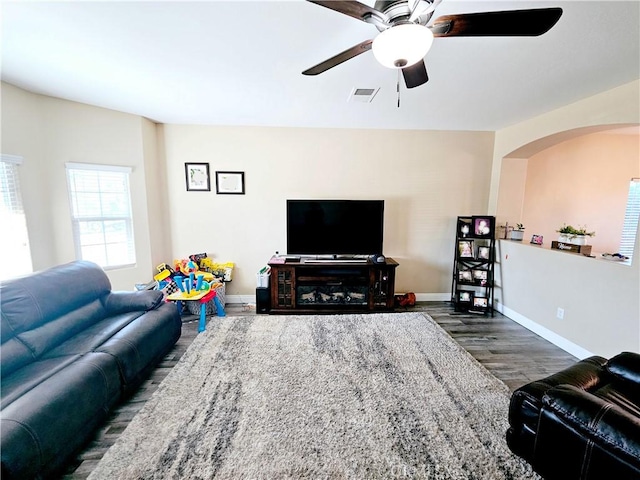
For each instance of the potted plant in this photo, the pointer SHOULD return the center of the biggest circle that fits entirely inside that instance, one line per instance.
(518, 232)
(574, 236)
(581, 235)
(566, 233)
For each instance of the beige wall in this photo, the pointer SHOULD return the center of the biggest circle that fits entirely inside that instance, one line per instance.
(50, 132)
(425, 178)
(22, 132)
(511, 195)
(582, 181)
(601, 300)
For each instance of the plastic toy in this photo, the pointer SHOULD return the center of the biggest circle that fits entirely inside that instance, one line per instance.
(197, 289)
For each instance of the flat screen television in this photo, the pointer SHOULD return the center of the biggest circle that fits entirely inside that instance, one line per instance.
(335, 227)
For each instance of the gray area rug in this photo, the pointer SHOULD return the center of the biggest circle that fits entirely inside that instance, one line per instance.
(321, 397)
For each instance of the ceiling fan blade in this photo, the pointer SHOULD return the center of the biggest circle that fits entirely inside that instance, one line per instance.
(517, 23)
(339, 58)
(415, 75)
(353, 9)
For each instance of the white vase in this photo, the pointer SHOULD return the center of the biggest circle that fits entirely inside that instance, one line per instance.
(579, 240)
(517, 235)
(563, 238)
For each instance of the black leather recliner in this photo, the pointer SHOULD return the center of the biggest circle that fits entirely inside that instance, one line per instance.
(581, 423)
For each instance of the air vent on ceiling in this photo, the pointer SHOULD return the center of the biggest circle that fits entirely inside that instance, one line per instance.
(363, 95)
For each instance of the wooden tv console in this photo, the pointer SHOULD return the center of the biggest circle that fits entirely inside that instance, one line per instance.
(326, 286)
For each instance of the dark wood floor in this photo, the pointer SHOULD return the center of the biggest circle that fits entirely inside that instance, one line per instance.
(511, 352)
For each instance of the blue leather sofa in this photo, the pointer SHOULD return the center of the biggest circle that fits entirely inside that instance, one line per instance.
(71, 348)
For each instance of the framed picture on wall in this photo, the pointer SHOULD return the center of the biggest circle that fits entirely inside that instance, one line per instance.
(483, 227)
(230, 183)
(197, 177)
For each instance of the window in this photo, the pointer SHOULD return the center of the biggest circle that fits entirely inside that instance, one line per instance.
(15, 254)
(631, 214)
(101, 214)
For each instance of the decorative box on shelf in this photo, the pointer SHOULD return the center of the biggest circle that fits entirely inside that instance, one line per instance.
(568, 247)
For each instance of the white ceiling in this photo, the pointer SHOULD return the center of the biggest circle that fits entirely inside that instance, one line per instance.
(239, 63)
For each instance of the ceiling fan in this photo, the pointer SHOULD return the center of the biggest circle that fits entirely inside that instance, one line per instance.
(406, 38)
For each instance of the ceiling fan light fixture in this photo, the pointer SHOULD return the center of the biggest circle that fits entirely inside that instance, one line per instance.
(402, 45)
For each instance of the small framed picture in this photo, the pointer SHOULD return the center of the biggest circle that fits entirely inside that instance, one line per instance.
(483, 227)
(536, 239)
(479, 276)
(197, 177)
(484, 252)
(480, 303)
(231, 183)
(465, 249)
(464, 276)
(465, 296)
(464, 228)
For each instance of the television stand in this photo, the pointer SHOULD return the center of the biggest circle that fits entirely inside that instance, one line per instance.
(332, 286)
(334, 260)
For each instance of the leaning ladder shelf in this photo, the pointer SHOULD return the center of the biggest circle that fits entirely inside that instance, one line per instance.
(473, 264)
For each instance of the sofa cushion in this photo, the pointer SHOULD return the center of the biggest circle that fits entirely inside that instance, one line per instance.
(92, 337)
(57, 416)
(23, 380)
(14, 354)
(29, 302)
(583, 436)
(139, 345)
(43, 310)
(56, 331)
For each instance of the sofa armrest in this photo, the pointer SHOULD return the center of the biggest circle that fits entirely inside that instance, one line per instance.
(123, 302)
(526, 401)
(585, 374)
(581, 435)
(626, 367)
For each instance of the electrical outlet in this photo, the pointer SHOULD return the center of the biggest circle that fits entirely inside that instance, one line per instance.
(560, 313)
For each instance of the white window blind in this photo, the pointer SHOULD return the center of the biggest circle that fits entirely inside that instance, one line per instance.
(15, 254)
(631, 216)
(101, 214)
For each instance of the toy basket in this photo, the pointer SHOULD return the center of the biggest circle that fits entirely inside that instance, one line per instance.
(193, 306)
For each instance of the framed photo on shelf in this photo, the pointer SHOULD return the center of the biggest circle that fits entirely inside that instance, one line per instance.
(464, 228)
(483, 227)
(480, 303)
(465, 296)
(480, 276)
(230, 183)
(536, 239)
(465, 276)
(484, 252)
(197, 177)
(465, 249)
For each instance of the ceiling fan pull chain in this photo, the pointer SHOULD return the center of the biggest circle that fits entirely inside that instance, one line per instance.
(398, 87)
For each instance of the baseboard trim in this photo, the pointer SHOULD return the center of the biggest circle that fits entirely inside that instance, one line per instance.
(240, 299)
(433, 297)
(549, 335)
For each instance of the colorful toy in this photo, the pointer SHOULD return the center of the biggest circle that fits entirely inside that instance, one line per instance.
(197, 289)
